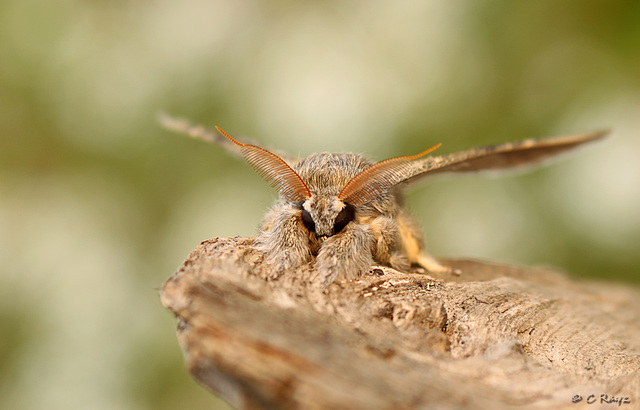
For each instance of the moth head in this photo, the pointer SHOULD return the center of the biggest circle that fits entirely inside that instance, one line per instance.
(327, 215)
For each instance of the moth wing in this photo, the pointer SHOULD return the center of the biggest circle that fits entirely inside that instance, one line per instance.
(511, 155)
(186, 127)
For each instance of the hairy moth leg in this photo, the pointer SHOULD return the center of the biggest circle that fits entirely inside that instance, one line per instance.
(412, 245)
(386, 247)
(284, 240)
(345, 256)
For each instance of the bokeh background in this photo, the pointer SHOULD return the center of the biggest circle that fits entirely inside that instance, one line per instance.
(99, 205)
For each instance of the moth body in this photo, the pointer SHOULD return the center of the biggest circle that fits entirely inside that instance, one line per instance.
(345, 240)
(344, 212)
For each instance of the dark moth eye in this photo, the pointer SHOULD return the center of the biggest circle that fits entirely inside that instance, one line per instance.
(307, 220)
(345, 216)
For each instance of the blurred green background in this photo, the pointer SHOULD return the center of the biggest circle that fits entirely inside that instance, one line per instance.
(99, 205)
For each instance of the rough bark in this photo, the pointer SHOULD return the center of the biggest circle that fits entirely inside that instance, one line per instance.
(497, 336)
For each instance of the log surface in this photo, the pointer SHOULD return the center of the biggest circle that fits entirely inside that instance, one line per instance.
(497, 336)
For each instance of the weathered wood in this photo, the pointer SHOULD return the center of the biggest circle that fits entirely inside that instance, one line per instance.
(497, 336)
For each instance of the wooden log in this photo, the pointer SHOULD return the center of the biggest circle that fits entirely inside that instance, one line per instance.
(497, 336)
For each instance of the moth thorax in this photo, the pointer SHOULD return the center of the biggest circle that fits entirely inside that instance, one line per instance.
(326, 216)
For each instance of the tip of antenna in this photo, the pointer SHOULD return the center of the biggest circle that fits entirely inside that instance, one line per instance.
(428, 150)
(229, 137)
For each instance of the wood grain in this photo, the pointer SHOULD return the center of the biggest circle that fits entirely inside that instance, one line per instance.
(497, 336)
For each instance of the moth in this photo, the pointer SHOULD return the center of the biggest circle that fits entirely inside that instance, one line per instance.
(345, 212)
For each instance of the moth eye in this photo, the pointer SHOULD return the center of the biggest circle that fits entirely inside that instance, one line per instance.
(345, 216)
(307, 220)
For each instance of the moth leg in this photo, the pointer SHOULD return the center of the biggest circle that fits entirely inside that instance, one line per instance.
(346, 255)
(284, 240)
(386, 249)
(412, 244)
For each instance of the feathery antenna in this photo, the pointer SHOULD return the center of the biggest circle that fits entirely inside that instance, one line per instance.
(379, 178)
(274, 170)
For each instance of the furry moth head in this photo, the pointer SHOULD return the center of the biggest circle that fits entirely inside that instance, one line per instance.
(323, 213)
